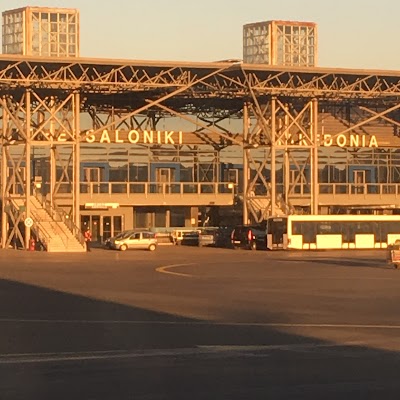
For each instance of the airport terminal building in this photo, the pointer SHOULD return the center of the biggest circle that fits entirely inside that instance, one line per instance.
(114, 144)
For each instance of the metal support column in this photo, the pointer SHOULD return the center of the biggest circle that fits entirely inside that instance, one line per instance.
(4, 215)
(314, 157)
(273, 156)
(286, 167)
(77, 161)
(28, 175)
(246, 176)
(286, 163)
(53, 167)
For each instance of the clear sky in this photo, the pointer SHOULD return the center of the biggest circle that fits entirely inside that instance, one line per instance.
(352, 33)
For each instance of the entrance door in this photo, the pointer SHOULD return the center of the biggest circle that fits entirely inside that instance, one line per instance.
(112, 226)
(93, 223)
(164, 177)
(359, 182)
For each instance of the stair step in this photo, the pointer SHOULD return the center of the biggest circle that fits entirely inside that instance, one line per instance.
(62, 239)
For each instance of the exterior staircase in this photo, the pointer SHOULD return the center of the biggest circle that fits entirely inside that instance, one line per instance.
(261, 206)
(52, 229)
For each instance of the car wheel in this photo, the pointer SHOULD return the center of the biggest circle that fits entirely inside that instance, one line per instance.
(253, 246)
(152, 247)
(123, 247)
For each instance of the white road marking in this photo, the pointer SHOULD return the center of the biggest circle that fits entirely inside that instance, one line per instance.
(283, 347)
(165, 269)
(36, 358)
(202, 323)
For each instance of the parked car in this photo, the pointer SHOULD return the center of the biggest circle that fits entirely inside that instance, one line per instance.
(190, 238)
(222, 236)
(207, 237)
(251, 237)
(178, 234)
(123, 234)
(136, 240)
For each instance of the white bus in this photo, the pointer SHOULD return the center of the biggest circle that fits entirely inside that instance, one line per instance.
(314, 232)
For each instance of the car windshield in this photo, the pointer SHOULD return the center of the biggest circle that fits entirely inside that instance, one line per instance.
(123, 235)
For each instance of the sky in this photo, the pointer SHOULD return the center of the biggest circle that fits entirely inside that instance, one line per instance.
(362, 34)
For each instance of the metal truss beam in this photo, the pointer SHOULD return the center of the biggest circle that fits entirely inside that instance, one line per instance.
(43, 99)
(30, 122)
(195, 80)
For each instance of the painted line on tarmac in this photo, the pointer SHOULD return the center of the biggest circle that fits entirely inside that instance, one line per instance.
(36, 358)
(165, 270)
(202, 323)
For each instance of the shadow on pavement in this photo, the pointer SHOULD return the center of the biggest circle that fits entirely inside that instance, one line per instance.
(56, 345)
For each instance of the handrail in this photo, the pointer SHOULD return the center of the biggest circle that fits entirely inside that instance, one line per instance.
(41, 233)
(58, 214)
(166, 188)
(70, 225)
(57, 229)
(352, 188)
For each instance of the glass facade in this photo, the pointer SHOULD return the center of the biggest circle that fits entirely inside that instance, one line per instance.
(13, 33)
(35, 31)
(285, 43)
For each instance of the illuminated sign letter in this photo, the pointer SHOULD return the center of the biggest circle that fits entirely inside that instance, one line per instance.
(159, 137)
(341, 140)
(373, 142)
(327, 140)
(302, 141)
(133, 136)
(354, 140)
(168, 137)
(105, 137)
(180, 137)
(90, 138)
(148, 137)
(363, 141)
(117, 139)
(62, 137)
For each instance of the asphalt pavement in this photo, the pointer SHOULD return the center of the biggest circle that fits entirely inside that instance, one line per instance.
(199, 323)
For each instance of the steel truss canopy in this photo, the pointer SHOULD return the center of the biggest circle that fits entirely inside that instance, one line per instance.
(137, 82)
(284, 116)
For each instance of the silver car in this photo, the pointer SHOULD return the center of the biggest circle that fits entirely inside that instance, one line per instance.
(145, 240)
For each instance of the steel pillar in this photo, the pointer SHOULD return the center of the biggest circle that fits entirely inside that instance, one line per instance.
(273, 156)
(314, 158)
(4, 217)
(28, 174)
(77, 162)
(246, 176)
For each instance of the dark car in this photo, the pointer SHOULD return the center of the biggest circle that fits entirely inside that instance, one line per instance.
(222, 236)
(251, 237)
(190, 238)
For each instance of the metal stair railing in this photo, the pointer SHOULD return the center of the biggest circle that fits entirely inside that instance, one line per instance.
(41, 235)
(59, 215)
(55, 227)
